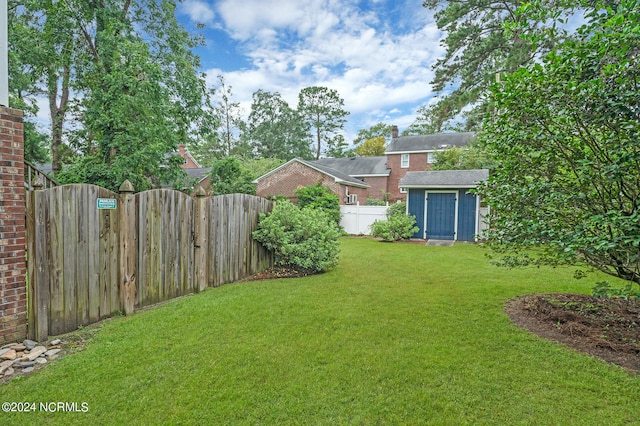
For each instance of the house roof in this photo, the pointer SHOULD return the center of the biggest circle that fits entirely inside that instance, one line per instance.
(444, 179)
(200, 173)
(338, 176)
(357, 166)
(425, 143)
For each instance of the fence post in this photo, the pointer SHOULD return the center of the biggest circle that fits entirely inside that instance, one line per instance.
(127, 238)
(200, 240)
(38, 311)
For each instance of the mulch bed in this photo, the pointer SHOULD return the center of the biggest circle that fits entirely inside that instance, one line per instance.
(608, 328)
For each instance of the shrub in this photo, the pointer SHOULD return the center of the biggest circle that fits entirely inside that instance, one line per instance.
(302, 239)
(320, 197)
(397, 209)
(398, 226)
(374, 202)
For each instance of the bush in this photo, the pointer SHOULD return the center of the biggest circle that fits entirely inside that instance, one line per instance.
(397, 209)
(320, 197)
(398, 226)
(302, 239)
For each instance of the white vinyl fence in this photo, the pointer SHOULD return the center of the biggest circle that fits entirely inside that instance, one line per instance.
(356, 219)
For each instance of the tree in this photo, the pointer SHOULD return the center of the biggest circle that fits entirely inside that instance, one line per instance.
(470, 157)
(566, 136)
(379, 129)
(433, 118)
(229, 114)
(484, 38)
(372, 147)
(275, 130)
(322, 111)
(338, 148)
(229, 176)
(102, 59)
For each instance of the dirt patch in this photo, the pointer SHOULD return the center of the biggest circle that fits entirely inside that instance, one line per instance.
(276, 272)
(608, 328)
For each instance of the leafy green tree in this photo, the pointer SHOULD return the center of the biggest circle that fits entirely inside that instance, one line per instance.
(275, 130)
(320, 197)
(372, 147)
(338, 148)
(230, 115)
(127, 71)
(229, 176)
(566, 136)
(470, 157)
(484, 38)
(434, 118)
(379, 129)
(36, 144)
(322, 111)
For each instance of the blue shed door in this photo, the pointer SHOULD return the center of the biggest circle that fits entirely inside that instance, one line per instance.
(466, 216)
(441, 215)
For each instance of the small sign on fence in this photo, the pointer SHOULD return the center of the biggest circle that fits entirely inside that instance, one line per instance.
(107, 203)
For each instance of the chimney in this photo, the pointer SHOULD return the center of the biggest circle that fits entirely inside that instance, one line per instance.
(181, 150)
(394, 132)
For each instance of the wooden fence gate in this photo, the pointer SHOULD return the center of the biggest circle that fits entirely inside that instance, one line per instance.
(93, 253)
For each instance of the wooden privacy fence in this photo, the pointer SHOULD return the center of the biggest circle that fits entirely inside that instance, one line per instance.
(93, 253)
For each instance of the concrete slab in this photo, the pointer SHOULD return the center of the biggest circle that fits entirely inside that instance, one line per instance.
(441, 243)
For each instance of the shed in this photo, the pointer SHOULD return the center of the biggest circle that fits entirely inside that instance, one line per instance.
(443, 204)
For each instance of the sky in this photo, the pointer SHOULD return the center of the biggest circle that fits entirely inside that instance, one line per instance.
(377, 54)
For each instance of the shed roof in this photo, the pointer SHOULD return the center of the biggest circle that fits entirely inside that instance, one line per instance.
(357, 166)
(424, 143)
(444, 179)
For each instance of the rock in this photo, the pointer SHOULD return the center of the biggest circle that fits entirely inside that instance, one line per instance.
(10, 354)
(5, 365)
(55, 342)
(28, 370)
(34, 353)
(30, 344)
(26, 364)
(8, 372)
(19, 347)
(41, 360)
(52, 352)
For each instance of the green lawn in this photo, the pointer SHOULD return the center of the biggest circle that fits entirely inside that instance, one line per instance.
(396, 334)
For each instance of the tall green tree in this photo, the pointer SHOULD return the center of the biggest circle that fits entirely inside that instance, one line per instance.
(322, 111)
(566, 135)
(380, 129)
(274, 129)
(230, 176)
(372, 147)
(103, 59)
(230, 116)
(484, 38)
(45, 47)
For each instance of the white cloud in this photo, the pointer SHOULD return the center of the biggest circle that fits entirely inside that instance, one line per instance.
(198, 11)
(374, 61)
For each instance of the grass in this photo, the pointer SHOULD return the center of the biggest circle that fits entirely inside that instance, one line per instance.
(397, 334)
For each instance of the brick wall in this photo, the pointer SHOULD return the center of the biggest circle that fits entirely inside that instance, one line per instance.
(286, 180)
(13, 267)
(417, 163)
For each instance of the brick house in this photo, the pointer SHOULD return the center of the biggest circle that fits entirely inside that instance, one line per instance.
(297, 173)
(362, 177)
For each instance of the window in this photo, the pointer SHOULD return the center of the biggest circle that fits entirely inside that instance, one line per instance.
(403, 190)
(404, 161)
(431, 157)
